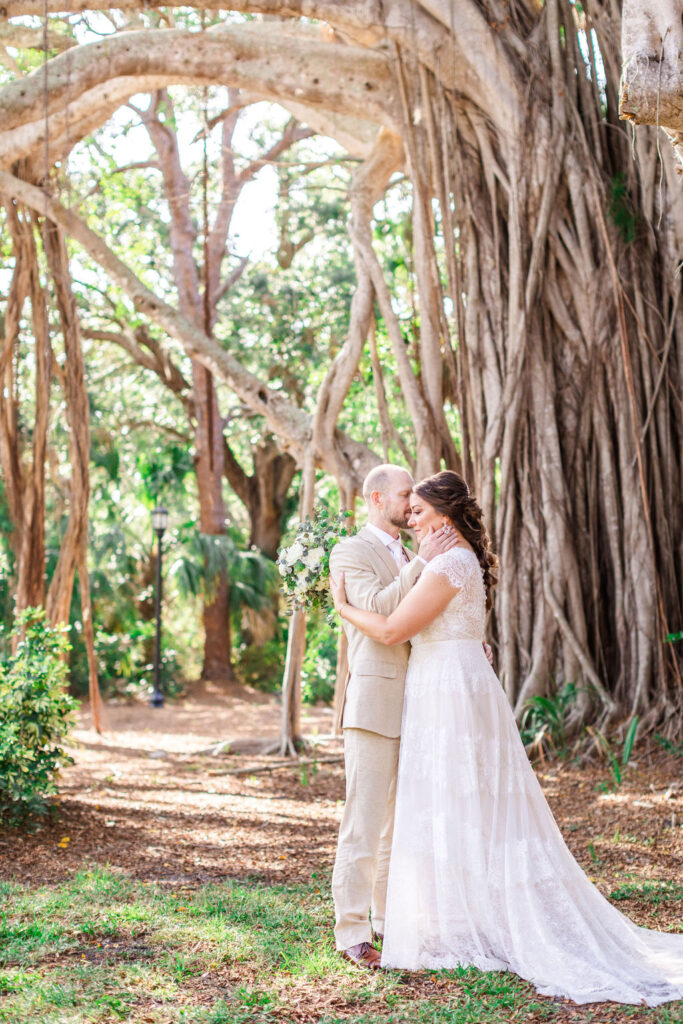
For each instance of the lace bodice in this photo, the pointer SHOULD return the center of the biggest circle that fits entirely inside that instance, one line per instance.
(464, 618)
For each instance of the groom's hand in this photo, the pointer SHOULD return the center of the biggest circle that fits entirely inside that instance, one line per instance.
(435, 542)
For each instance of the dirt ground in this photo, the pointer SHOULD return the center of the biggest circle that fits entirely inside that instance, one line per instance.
(147, 797)
(152, 797)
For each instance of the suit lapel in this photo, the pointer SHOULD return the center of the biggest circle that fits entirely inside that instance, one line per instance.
(381, 550)
(410, 555)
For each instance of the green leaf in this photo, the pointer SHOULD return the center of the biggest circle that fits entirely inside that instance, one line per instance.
(35, 715)
(629, 740)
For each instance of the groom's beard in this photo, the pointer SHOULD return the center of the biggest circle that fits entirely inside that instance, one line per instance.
(399, 520)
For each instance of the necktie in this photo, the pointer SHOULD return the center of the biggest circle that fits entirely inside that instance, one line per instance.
(397, 553)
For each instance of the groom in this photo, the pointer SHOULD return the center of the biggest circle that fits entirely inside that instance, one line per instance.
(379, 572)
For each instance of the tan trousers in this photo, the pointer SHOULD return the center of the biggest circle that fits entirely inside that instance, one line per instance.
(361, 868)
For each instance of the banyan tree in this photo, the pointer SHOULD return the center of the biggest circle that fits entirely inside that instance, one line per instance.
(547, 239)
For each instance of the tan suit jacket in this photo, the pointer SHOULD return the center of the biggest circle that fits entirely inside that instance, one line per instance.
(372, 696)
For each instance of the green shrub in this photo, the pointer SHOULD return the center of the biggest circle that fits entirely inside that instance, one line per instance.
(544, 721)
(35, 716)
(319, 669)
(261, 666)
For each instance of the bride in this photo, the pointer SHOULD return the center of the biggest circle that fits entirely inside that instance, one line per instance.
(479, 873)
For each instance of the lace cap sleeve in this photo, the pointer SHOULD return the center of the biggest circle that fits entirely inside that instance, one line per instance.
(456, 565)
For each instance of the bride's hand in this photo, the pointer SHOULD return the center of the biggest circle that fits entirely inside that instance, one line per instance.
(338, 591)
(435, 542)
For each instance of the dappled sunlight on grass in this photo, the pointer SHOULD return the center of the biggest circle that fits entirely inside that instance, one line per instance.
(103, 947)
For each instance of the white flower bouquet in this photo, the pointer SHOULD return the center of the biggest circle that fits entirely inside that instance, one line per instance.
(305, 565)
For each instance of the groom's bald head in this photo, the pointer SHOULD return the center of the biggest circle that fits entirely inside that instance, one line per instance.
(387, 491)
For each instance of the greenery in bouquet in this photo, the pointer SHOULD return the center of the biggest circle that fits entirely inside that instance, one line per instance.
(304, 566)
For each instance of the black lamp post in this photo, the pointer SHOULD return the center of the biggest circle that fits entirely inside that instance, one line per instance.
(159, 522)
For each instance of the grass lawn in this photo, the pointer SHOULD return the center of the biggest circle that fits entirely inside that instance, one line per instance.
(103, 946)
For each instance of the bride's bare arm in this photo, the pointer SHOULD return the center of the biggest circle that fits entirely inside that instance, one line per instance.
(419, 607)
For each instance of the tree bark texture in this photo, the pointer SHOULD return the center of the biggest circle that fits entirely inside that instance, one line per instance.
(87, 83)
(73, 551)
(264, 492)
(651, 90)
(24, 479)
(564, 321)
(89, 636)
(24, 474)
(290, 731)
(78, 417)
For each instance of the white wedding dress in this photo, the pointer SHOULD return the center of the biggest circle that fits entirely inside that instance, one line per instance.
(479, 873)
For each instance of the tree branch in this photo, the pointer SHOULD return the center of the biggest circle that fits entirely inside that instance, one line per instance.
(240, 481)
(468, 58)
(232, 278)
(294, 132)
(182, 233)
(275, 62)
(24, 38)
(289, 423)
(368, 184)
(158, 361)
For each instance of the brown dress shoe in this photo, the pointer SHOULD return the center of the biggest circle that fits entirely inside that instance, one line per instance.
(363, 955)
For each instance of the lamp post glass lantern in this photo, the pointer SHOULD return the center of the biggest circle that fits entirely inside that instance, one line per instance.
(159, 522)
(160, 519)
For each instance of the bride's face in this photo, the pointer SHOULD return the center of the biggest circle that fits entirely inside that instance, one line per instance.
(423, 515)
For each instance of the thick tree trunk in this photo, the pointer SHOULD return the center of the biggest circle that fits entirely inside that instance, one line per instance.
(25, 486)
(208, 426)
(217, 664)
(264, 495)
(89, 636)
(78, 417)
(264, 492)
(290, 732)
(651, 88)
(24, 478)
(557, 334)
(273, 474)
(73, 552)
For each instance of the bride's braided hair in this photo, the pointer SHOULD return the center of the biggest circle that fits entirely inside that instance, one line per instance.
(448, 493)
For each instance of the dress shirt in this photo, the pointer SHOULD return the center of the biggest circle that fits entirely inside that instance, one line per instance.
(396, 549)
